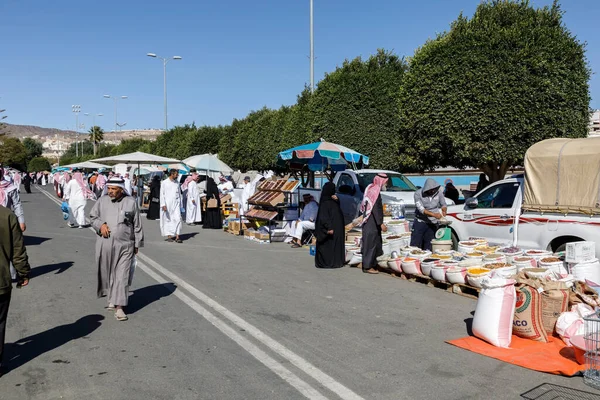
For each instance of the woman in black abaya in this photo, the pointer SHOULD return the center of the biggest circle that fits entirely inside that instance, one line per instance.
(329, 230)
(213, 215)
(154, 207)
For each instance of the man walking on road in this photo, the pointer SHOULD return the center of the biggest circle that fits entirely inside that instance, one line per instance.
(12, 249)
(9, 198)
(116, 219)
(170, 207)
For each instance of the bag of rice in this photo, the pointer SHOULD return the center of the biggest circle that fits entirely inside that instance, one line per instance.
(493, 320)
(555, 301)
(528, 322)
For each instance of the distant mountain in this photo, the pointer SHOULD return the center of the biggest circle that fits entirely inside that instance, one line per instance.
(23, 131)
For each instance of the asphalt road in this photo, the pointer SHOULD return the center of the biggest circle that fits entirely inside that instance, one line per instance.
(218, 317)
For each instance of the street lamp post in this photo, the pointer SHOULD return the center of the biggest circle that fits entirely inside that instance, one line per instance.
(76, 109)
(165, 61)
(94, 127)
(116, 99)
(312, 50)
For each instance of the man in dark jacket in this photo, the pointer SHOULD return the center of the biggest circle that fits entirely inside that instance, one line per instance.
(12, 249)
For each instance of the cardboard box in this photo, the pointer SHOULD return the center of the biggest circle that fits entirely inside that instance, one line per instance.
(580, 251)
(261, 236)
(234, 227)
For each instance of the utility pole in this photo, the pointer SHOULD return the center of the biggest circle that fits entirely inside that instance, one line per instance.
(312, 50)
(76, 109)
(165, 61)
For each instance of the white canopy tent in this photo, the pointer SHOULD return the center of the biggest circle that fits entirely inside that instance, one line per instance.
(137, 158)
(209, 164)
(85, 165)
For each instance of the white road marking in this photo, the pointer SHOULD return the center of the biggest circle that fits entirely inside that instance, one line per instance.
(302, 364)
(311, 370)
(304, 388)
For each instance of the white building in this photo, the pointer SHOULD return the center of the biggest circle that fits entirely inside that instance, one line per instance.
(594, 127)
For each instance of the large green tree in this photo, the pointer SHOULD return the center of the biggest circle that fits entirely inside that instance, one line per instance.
(480, 94)
(39, 164)
(13, 153)
(356, 106)
(33, 147)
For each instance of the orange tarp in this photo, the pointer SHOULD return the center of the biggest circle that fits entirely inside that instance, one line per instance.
(554, 357)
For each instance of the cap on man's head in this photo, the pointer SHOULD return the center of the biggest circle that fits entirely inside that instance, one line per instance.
(307, 196)
(247, 178)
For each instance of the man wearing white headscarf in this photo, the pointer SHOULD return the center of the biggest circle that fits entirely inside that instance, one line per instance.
(193, 214)
(170, 207)
(116, 220)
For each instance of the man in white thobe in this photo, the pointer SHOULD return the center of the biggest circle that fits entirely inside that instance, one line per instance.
(306, 220)
(128, 185)
(170, 207)
(116, 220)
(76, 195)
(192, 210)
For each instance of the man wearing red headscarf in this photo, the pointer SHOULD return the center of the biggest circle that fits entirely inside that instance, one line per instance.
(372, 224)
(76, 194)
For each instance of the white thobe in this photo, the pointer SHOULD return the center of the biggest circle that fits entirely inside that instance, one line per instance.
(170, 197)
(77, 201)
(128, 186)
(192, 209)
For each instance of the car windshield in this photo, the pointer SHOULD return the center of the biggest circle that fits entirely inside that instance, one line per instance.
(395, 183)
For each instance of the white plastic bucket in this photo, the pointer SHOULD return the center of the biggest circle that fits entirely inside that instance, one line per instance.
(467, 246)
(419, 254)
(438, 272)
(382, 261)
(395, 264)
(407, 249)
(510, 253)
(494, 258)
(558, 267)
(395, 245)
(589, 270)
(356, 258)
(537, 254)
(411, 266)
(350, 253)
(456, 275)
(523, 262)
(475, 279)
(426, 266)
(387, 249)
(441, 245)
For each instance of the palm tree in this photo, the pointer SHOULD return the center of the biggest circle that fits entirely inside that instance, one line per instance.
(96, 136)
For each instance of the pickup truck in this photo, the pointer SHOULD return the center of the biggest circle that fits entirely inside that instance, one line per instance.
(503, 213)
(350, 187)
(490, 214)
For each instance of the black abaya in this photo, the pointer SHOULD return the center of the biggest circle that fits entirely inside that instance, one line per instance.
(330, 248)
(212, 217)
(154, 207)
(371, 237)
(27, 183)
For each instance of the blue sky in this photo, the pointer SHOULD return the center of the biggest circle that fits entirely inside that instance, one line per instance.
(238, 55)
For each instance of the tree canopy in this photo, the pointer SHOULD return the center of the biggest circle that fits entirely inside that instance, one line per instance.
(480, 94)
(13, 153)
(38, 164)
(33, 148)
